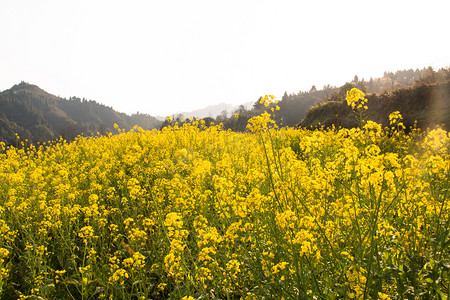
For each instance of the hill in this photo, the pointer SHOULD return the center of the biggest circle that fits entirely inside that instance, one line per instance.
(428, 104)
(38, 116)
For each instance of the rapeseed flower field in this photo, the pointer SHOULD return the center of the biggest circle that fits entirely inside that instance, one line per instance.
(195, 212)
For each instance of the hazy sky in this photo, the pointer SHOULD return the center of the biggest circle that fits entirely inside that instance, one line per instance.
(163, 57)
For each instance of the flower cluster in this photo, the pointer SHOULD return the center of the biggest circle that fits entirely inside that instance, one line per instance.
(261, 123)
(356, 99)
(395, 120)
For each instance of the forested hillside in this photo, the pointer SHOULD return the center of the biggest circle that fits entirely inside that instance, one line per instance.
(427, 105)
(38, 116)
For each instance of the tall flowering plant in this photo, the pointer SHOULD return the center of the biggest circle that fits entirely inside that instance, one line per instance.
(356, 99)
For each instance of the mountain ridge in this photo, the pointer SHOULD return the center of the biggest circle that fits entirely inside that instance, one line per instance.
(39, 116)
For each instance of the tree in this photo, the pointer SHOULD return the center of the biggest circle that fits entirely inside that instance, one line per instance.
(258, 106)
(342, 93)
(241, 109)
(208, 121)
(428, 78)
(222, 116)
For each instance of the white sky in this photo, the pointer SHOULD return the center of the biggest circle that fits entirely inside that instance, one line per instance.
(163, 57)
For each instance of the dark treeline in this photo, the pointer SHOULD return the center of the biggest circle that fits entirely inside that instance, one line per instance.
(38, 116)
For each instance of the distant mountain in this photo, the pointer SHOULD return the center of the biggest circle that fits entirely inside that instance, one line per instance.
(38, 116)
(213, 111)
